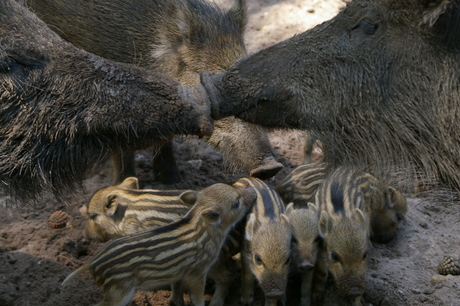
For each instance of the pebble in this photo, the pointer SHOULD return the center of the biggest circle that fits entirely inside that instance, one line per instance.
(385, 302)
(438, 279)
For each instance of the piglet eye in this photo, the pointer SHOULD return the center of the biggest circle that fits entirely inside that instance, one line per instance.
(258, 260)
(335, 257)
(288, 261)
(93, 216)
(236, 204)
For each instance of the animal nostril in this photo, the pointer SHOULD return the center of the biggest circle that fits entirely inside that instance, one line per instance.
(305, 266)
(355, 291)
(274, 294)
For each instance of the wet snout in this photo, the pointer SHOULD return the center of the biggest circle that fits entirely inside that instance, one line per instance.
(355, 291)
(274, 294)
(305, 265)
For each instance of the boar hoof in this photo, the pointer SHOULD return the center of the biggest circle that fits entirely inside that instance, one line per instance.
(267, 169)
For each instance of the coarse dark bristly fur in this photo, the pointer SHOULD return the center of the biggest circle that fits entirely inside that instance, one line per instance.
(63, 109)
(179, 38)
(378, 84)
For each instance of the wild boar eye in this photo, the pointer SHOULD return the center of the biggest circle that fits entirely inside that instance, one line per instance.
(335, 257)
(365, 255)
(294, 240)
(258, 260)
(10, 64)
(367, 27)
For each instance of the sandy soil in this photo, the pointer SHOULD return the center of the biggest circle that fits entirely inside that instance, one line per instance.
(35, 259)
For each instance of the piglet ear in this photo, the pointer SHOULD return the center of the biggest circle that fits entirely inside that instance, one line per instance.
(211, 216)
(247, 192)
(285, 221)
(325, 224)
(249, 232)
(189, 197)
(290, 208)
(313, 207)
(84, 211)
(130, 183)
(111, 206)
(358, 215)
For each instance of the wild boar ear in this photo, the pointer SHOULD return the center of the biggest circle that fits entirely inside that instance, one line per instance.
(238, 13)
(175, 32)
(290, 208)
(84, 211)
(444, 17)
(189, 197)
(130, 183)
(434, 10)
(249, 232)
(358, 215)
(325, 224)
(312, 207)
(211, 216)
(111, 205)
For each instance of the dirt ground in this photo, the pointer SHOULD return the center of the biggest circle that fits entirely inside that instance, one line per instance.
(35, 259)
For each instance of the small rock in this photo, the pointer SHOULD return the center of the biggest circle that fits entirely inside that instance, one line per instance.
(385, 302)
(428, 291)
(416, 291)
(196, 163)
(437, 279)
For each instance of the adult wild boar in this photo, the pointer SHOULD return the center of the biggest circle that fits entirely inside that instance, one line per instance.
(179, 38)
(378, 84)
(62, 109)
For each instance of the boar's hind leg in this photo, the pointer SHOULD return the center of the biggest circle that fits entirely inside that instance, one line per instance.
(165, 167)
(123, 166)
(245, 146)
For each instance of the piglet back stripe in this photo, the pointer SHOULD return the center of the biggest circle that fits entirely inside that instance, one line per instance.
(153, 193)
(269, 204)
(120, 245)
